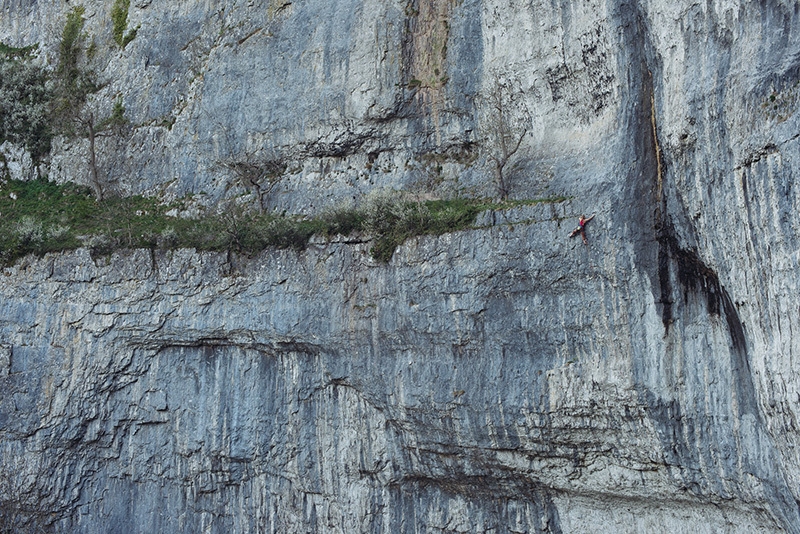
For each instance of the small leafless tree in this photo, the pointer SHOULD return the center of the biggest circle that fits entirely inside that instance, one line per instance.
(505, 125)
(93, 130)
(259, 173)
(256, 165)
(75, 81)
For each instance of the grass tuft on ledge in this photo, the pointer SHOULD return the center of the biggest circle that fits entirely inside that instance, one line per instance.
(41, 216)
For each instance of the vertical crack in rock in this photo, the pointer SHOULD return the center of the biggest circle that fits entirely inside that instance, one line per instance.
(660, 210)
(684, 266)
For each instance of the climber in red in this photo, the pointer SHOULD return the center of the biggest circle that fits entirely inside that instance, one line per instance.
(581, 229)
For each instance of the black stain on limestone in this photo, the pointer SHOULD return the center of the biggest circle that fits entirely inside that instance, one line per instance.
(713, 449)
(695, 278)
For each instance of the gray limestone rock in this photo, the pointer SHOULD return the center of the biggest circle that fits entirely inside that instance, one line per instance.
(501, 379)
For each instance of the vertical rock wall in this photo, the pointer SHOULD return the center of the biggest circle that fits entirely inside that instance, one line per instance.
(504, 379)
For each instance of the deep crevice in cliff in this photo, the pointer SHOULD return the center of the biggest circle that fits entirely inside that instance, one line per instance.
(693, 274)
(684, 266)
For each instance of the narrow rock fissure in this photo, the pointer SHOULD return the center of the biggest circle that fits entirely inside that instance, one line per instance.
(694, 276)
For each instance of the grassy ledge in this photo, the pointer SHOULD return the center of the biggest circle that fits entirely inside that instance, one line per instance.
(40, 216)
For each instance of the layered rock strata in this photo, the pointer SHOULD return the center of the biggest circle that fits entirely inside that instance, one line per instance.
(503, 379)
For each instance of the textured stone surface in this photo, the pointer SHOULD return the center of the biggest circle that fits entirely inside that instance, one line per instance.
(504, 379)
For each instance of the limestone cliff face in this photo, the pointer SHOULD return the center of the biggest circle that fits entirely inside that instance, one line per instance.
(504, 379)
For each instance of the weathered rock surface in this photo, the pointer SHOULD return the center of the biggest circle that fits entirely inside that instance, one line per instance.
(505, 379)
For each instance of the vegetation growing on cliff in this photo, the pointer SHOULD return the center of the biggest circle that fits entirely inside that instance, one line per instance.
(119, 20)
(40, 216)
(25, 101)
(37, 103)
(74, 82)
(393, 219)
